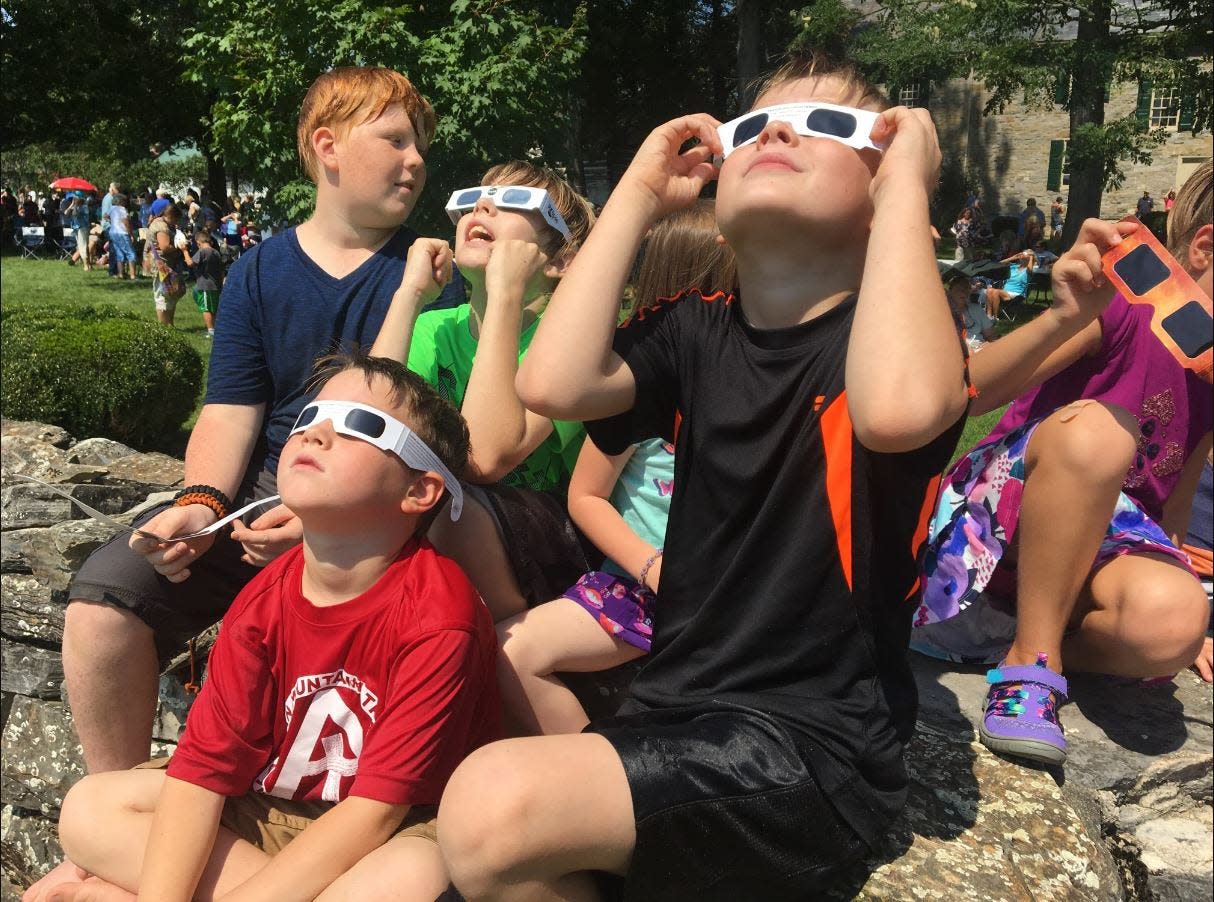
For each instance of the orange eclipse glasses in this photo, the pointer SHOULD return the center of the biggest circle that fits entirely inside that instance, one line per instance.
(1145, 273)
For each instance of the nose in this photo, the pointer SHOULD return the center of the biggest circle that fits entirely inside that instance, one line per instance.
(319, 433)
(485, 204)
(777, 130)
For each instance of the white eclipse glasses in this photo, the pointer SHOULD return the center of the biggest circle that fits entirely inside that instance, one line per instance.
(844, 124)
(508, 197)
(384, 432)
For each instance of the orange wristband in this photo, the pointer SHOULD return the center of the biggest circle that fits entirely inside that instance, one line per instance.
(199, 498)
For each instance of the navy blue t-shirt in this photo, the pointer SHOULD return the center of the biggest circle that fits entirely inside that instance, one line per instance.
(279, 311)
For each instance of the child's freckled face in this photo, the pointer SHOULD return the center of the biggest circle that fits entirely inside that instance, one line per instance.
(789, 176)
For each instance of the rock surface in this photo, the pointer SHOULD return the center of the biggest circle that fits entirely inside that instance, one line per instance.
(1129, 819)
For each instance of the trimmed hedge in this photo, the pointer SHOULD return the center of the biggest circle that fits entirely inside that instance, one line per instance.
(96, 371)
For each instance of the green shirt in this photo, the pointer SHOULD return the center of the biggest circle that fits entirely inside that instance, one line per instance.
(442, 353)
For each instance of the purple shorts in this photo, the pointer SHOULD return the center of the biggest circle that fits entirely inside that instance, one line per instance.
(622, 606)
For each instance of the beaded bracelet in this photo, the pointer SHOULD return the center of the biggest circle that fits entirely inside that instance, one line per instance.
(206, 500)
(653, 558)
(225, 503)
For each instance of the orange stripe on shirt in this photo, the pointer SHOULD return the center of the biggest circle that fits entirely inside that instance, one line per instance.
(920, 536)
(835, 424)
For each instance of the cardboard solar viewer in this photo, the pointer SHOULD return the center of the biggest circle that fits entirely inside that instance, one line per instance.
(1145, 273)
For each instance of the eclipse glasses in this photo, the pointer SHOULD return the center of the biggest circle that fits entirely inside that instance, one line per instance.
(508, 197)
(387, 433)
(844, 124)
(1145, 273)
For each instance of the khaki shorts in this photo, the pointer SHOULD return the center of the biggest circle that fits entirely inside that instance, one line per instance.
(270, 823)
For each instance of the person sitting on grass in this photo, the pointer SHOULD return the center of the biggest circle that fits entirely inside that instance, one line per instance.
(349, 679)
(1076, 503)
(515, 235)
(976, 326)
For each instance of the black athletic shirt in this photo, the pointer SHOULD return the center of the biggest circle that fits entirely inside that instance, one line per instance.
(789, 576)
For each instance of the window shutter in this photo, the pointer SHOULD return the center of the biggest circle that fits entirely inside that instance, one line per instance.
(1053, 178)
(1144, 102)
(1062, 90)
(1186, 113)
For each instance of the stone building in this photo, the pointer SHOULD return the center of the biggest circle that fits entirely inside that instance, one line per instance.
(1021, 152)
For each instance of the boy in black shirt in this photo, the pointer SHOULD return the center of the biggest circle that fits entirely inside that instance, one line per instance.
(208, 279)
(762, 747)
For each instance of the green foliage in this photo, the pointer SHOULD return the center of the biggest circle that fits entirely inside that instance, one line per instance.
(96, 371)
(499, 75)
(36, 165)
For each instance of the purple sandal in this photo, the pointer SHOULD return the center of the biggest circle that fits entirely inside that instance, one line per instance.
(1021, 716)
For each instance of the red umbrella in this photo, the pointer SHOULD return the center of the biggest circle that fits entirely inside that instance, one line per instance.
(71, 183)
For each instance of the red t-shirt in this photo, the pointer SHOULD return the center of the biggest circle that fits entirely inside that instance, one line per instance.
(379, 697)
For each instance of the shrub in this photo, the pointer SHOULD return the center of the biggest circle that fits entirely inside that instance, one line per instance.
(97, 371)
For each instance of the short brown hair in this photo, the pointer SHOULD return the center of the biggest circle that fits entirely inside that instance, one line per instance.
(680, 252)
(435, 421)
(1192, 210)
(343, 98)
(859, 91)
(574, 209)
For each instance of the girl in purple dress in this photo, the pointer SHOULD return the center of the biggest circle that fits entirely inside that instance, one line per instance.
(1054, 540)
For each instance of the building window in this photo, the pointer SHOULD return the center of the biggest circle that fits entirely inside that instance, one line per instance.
(913, 94)
(1165, 108)
(1058, 176)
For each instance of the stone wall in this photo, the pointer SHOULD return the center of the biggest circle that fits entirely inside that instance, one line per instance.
(1131, 821)
(1010, 152)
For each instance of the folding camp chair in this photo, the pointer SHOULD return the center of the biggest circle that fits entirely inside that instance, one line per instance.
(33, 240)
(66, 244)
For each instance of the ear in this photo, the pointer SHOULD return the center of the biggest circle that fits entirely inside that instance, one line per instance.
(720, 239)
(558, 265)
(423, 494)
(1200, 255)
(324, 145)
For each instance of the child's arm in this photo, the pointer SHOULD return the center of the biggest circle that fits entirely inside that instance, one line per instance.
(330, 846)
(570, 371)
(1067, 331)
(502, 431)
(904, 364)
(180, 842)
(427, 270)
(1178, 509)
(594, 478)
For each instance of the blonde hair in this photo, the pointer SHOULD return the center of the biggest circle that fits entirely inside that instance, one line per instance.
(1191, 211)
(343, 98)
(574, 209)
(858, 91)
(682, 251)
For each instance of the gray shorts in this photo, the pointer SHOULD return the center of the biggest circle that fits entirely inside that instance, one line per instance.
(176, 612)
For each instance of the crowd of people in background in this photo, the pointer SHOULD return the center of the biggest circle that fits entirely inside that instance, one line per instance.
(151, 234)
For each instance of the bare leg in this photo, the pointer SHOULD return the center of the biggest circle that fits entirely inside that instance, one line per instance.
(524, 819)
(994, 299)
(1075, 464)
(1146, 616)
(473, 543)
(404, 869)
(111, 673)
(104, 828)
(557, 636)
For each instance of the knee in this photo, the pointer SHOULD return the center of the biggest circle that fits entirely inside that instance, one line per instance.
(1094, 441)
(481, 818)
(521, 651)
(78, 817)
(1167, 620)
(103, 630)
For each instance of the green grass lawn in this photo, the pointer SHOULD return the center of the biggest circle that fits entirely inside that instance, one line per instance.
(38, 282)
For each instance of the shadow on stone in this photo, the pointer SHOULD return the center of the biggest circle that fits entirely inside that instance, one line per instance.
(1149, 720)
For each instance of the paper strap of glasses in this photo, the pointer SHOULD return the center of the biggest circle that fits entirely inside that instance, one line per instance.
(414, 451)
(1141, 268)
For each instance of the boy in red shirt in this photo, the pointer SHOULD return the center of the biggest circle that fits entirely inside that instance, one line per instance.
(350, 677)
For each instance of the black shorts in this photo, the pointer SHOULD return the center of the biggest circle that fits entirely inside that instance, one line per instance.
(726, 809)
(176, 612)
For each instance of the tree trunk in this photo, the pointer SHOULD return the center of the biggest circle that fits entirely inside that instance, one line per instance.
(717, 60)
(215, 185)
(750, 49)
(1089, 76)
